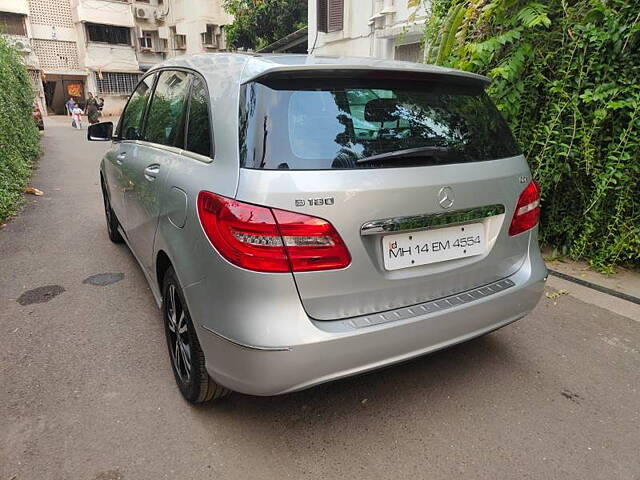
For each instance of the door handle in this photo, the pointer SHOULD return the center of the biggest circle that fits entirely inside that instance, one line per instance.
(151, 172)
(120, 157)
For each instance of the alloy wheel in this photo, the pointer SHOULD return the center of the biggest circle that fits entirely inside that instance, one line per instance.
(179, 344)
(107, 210)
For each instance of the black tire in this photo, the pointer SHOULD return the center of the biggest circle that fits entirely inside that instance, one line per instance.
(112, 220)
(185, 353)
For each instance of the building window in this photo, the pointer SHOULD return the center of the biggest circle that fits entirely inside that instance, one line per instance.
(211, 38)
(116, 83)
(108, 34)
(330, 15)
(179, 41)
(12, 24)
(146, 41)
(412, 52)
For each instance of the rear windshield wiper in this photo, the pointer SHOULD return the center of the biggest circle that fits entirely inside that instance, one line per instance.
(409, 152)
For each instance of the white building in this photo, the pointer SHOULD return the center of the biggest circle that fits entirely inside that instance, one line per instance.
(120, 40)
(72, 47)
(386, 29)
(195, 26)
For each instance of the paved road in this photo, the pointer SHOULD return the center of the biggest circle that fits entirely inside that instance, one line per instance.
(86, 390)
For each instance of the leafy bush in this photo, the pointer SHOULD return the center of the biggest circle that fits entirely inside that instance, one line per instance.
(565, 74)
(18, 132)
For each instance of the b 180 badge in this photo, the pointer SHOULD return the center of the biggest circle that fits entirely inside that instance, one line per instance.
(315, 202)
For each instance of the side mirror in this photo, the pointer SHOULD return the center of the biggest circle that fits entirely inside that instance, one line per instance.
(100, 132)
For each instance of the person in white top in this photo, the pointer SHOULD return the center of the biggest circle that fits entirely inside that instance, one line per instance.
(76, 116)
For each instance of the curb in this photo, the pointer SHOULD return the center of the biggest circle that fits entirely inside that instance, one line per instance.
(593, 286)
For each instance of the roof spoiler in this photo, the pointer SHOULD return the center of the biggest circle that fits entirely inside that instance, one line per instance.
(419, 73)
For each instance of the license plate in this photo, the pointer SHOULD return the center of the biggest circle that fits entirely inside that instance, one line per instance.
(405, 250)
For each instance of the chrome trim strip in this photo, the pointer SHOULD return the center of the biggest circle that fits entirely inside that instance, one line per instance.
(430, 220)
(196, 156)
(432, 306)
(175, 150)
(159, 146)
(243, 345)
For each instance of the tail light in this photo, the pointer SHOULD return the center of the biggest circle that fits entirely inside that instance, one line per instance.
(527, 211)
(270, 240)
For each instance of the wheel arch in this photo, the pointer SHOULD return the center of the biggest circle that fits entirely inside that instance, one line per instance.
(163, 263)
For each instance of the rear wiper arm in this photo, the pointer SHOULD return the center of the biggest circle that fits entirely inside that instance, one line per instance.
(409, 152)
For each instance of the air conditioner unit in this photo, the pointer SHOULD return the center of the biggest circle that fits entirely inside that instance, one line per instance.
(142, 13)
(21, 46)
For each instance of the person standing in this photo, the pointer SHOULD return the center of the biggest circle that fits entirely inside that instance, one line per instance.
(92, 111)
(76, 116)
(69, 106)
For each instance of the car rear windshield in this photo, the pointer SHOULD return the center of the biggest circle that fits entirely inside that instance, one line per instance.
(320, 124)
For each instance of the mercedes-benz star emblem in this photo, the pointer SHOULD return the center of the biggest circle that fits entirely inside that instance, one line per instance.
(446, 197)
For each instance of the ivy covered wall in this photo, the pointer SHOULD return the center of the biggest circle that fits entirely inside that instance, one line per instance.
(566, 74)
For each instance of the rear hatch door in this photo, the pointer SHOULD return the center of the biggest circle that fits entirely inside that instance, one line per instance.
(420, 179)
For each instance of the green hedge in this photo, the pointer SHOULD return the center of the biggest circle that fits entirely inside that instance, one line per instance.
(19, 138)
(566, 74)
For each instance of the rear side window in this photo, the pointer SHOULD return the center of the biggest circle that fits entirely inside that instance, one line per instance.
(131, 121)
(346, 124)
(165, 120)
(199, 126)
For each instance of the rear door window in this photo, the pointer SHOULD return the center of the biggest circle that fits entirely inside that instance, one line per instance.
(199, 124)
(131, 121)
(165, 120)
(312, 124)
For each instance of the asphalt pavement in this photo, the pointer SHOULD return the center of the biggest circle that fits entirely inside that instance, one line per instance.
(86, 390)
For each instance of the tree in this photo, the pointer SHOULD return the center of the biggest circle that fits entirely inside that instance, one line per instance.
(258, 23)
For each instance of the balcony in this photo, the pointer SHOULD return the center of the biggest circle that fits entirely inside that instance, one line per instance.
(104, 12)
(148, 58)
(107, 57)
(15, 6)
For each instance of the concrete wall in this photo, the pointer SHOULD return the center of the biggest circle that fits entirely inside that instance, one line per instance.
(110, 58)
(113, 104)
(103, 11)
(15, 6)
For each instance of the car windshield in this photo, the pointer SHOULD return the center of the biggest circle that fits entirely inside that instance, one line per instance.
(330, 124)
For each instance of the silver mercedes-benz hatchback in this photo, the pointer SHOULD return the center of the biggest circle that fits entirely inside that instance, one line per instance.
(302, 219)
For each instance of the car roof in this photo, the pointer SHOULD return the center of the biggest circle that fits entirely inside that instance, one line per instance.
(245, 67)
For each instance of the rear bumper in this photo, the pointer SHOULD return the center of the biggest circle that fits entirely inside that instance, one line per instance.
(331, 350)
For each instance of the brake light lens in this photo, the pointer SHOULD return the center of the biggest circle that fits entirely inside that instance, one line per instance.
(527, 212)
(270, 240)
